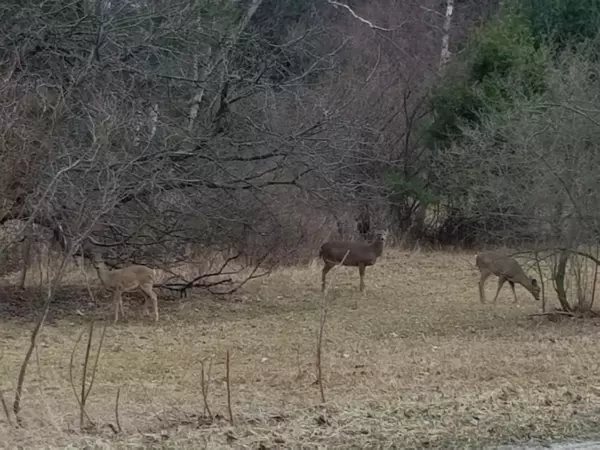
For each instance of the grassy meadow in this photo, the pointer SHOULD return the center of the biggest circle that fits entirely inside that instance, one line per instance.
(416, 361)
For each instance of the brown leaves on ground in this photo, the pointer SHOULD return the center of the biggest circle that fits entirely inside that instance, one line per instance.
(420, 363)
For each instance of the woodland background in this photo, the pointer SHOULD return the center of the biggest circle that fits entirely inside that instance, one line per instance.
(156, 131)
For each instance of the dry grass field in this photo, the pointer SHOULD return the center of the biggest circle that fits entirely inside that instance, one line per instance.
(419, 364)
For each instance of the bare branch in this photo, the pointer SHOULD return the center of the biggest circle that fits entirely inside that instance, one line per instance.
(337, 4)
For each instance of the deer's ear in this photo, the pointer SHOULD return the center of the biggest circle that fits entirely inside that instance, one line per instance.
(534, 282)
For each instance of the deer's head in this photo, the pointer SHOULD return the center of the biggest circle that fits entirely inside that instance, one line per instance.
(381, 235)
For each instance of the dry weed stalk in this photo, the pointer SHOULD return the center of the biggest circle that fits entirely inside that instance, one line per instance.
(119, 429)
(228, 382)
(116, 429)
(33, 339)
(6, 411)
(205, 384)
(322, 327)
(82, 398)
(593, 299)
(23, 370)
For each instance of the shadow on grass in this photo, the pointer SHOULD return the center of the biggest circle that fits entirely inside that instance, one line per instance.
(73, 302)
(70, 302)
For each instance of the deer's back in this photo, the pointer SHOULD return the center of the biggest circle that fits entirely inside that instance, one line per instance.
(498, 263)
(360, 252)
(132, 276)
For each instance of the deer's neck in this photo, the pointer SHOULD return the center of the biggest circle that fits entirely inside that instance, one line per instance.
(377, 247)
(102, 274)
(525, 281)
(530, 287)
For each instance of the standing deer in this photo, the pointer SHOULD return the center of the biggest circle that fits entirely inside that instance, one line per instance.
(506, 269)
(361, 255)
(128, 279)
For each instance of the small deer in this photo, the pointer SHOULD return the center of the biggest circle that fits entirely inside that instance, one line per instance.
(360, 254)
(506, 269)
(128, 279)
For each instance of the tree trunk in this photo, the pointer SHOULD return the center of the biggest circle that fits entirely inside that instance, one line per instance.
(417, 228)
(26, 255)
(559, 280)
(445, 53)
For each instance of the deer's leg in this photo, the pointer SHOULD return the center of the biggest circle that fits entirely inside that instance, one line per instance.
(155, 305)
(501, 281)
(151, 295)
(361, 272)
(484, 276)
(326, 268)
(146, 301)
(512, 286)
(121, 304)
(117, 304)
(146, 306)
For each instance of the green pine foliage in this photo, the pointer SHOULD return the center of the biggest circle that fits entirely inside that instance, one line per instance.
(500, 51)
(507, 65)
(561, 21)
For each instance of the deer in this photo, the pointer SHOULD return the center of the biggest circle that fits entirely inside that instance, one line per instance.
(128, 279)
(506, 269)
(360, 254)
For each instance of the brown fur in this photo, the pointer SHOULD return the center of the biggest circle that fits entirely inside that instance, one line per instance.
(128, 279)
(506, 269)
(361, 255)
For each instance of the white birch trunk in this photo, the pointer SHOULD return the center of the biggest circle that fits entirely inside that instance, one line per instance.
(445, 54)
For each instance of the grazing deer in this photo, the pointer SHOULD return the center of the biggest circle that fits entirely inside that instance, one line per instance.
(506, 269)
(360, 254)
(128, 279)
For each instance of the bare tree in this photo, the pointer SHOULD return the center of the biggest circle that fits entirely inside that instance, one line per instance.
(529, 174)
(181, 157)
(239, 129)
